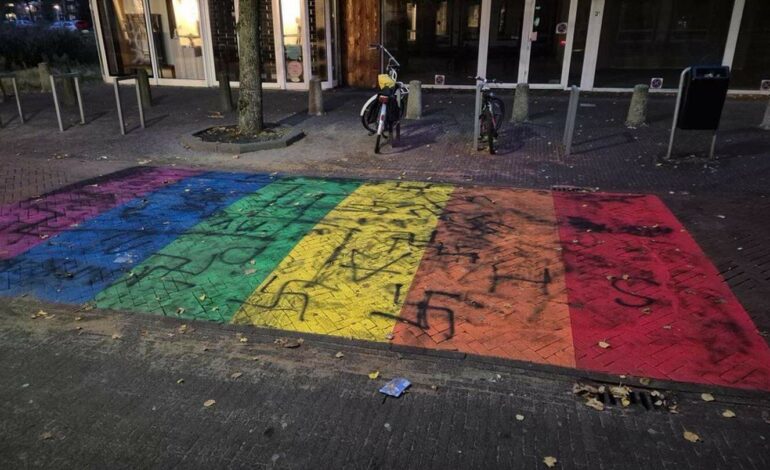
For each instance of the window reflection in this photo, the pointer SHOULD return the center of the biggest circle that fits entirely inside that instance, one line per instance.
(434, 39)
(126, 42)
(178, 43)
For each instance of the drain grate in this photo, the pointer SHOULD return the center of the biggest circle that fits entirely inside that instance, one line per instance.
(600, 397)
(566, 188)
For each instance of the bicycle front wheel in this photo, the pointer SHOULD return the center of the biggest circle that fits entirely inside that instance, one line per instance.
(497, 108)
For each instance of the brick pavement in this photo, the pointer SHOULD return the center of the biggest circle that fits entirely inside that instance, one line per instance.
(603, 282)
(72, 396)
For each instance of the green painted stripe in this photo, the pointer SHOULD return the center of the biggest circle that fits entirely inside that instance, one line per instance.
(209, 271)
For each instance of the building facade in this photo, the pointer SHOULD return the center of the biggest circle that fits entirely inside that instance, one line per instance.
(608, 45)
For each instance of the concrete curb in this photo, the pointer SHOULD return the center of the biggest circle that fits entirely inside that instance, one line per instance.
(196, 143)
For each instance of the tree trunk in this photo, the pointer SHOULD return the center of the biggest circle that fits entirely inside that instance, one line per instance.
(250, 119)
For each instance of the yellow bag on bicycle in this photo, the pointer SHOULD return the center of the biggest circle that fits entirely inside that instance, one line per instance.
(385, 81)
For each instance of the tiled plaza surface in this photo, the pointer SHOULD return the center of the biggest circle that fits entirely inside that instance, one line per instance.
(600, 281)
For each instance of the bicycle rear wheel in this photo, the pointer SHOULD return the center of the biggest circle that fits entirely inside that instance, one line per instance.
(369, 118)
(498, 112)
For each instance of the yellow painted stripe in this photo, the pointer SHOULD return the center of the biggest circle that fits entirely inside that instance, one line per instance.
(350, 275)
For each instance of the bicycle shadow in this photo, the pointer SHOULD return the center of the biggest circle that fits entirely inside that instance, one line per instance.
(415, 135)
(513, 138)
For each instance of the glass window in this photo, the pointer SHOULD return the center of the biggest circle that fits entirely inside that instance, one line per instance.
(433, 39)
(124, 29)
(317, 22)
(505, 36)
(549, 40)
(225, 39)
(642, 39)
(751, 64)
(579, 42)
(177, 37)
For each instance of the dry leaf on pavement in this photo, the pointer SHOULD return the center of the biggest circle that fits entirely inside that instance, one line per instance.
(691, 436)
(236, 375)
(707, 397)
(116, 336)
(550, 462)
(728, 414)
(339, 355)
(209, 403)
(604, 344)
(519, 417)
(595, 404)
(374, 374)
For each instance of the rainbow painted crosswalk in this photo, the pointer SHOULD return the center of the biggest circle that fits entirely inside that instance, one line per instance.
(526, 275)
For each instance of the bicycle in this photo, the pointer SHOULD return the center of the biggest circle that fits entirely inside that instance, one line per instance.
(492, 113)
(387, 107)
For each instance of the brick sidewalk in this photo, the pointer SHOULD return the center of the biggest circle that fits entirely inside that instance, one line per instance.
(604, 282)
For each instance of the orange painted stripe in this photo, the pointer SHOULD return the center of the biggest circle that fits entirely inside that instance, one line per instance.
(493, 281)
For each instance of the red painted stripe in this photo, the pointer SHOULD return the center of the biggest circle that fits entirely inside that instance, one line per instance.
(638, 281)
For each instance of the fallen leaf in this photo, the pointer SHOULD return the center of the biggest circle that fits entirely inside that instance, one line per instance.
(550, 462)
(202, 297)
(116, 336)
(236, 375)
(707, 397)
(595, 404)
(604, 344)
(180, 381)
(243, 339)
(46, 435)
(180, 310)
(625, 401)
(644, 381)
(728, 414)
(339, 355)
(389, 336)
(183, 329)
(209, 403)
(691, 436)
(519, 417)
(374, 374)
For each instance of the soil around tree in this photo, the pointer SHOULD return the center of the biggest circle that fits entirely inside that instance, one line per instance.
(228, 139)
(232, 135)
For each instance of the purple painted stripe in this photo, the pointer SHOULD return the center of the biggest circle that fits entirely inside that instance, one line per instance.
(28, 223)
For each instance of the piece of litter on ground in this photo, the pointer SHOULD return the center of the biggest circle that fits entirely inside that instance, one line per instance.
(339, 355)
(395, 387)
(180, 381)
(519, 417)
(604, 344)
(46, 435)
(116, 336)
(549, 461)
(707, 397)
(209, 403)
(389, 336)
(388, 427)
(691, 436)
(374, 374)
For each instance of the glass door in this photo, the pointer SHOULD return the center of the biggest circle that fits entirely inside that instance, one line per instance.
(548, 41)
(293, 42)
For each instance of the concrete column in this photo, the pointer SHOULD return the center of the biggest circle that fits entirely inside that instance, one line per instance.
(44, 72)
(766, 121)
(144, 87)
(225, 93)
(520, 104)
(315, 99)
(637, 110)
(414, 103)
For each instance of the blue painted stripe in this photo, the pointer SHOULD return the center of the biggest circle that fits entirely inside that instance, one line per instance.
(74, 266)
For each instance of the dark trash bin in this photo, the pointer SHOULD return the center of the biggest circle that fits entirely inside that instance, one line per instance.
(704, 89)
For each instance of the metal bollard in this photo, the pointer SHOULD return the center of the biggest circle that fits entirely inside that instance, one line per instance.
(476, 118)
(79, 96)
(569, 128)
(766, 121)
(116, 86)
(12, 76)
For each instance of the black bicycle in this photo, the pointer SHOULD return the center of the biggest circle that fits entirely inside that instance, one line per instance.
(492, 114)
